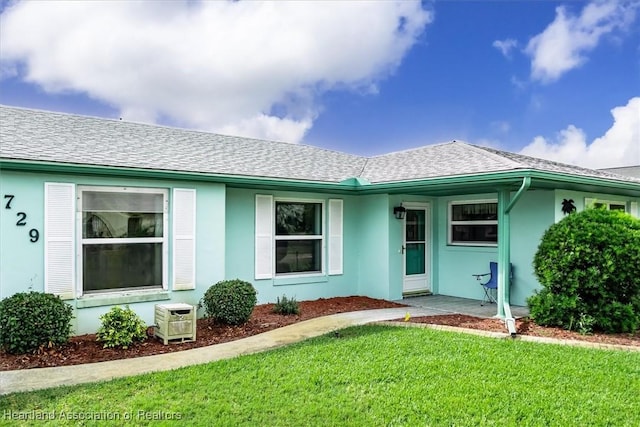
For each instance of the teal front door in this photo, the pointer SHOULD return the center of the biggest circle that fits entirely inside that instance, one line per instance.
(415, 249)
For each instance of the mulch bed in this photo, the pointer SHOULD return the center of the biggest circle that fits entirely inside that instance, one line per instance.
(528, 327)
(85, 349)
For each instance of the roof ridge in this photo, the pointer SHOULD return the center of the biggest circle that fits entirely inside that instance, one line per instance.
(496, 153)
(364, 166)
(407, 150)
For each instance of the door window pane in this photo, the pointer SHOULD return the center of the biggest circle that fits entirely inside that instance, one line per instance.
(415, 258)
(415, 225)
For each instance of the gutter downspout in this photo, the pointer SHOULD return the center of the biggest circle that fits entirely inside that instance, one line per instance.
(504, 252)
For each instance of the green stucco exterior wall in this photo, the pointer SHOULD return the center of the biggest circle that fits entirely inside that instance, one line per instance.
(240, 249)
(22, 262)
(225, 243)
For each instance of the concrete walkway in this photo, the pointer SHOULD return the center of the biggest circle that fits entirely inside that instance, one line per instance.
(41, 378)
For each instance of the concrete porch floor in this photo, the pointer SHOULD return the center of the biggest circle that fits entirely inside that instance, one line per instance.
(449, 305)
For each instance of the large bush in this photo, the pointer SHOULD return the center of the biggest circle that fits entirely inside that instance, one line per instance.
(589, 267)
(121, 327)
(230, 301)
(34, 319)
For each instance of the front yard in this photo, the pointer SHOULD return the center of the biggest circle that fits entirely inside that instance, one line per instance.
(369, 376)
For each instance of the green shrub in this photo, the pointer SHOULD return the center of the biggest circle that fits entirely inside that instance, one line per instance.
(121, 327)
(34, 319)
(585, 324)
(589, 267)
(286, 306)
(230, 301)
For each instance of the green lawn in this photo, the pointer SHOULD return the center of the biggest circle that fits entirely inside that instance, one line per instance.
(367, 376)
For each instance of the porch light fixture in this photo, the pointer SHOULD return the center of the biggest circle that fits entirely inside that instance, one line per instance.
(399, 212)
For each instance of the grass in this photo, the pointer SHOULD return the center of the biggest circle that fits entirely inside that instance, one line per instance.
(365, 376)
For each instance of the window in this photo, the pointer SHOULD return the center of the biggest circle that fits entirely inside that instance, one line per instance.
(299, 237)
(473, 223)
(122, 238)
(609, 205)
(293, 237)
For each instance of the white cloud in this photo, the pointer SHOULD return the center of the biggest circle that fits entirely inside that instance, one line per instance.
(501, 126)
(563, 45)
(249, 68)
(619, 146)
(505, 46)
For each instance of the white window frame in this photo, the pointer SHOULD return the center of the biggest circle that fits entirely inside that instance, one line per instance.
(451, 222)
(591, 201)
(322, 237)
(82, 241)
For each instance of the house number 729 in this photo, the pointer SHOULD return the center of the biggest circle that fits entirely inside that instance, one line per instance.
(34, 234)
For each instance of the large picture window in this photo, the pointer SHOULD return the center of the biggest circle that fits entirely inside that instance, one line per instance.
(299, 237)
(122, 238)
(473, 223)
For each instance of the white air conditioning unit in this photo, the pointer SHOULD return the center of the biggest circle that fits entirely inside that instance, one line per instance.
(175, 322)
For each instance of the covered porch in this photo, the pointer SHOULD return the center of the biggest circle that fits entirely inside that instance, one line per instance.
(443, 304)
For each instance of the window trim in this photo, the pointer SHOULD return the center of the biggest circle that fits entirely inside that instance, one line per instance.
(80, 241)
(322, 237)
(451, 222)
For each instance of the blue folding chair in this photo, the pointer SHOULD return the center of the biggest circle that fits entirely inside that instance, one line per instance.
(490, 286)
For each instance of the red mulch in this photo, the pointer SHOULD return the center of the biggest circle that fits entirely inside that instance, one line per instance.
(528, 327)
(85, 349)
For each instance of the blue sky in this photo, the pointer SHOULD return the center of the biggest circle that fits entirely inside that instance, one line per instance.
(559, 80)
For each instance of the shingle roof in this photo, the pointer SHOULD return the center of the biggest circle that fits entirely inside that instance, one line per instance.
(440, 160)
(633, 171)
(534, 163)
(55, 137)
(35, 135)
(458, 158)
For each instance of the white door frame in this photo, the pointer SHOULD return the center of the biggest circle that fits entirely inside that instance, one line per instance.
(417, 283)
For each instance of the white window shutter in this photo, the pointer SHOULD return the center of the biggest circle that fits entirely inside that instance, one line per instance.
(59, 239)
(264, 237)
(184, 239)
(335, 236)
(634, 209)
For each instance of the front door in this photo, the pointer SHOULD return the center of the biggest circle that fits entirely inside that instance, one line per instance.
(415, 248)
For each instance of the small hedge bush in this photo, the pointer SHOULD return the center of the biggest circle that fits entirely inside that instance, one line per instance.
(31, 320)
(286, 306)
(230, 301)
(121, 327)
(589, 267)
